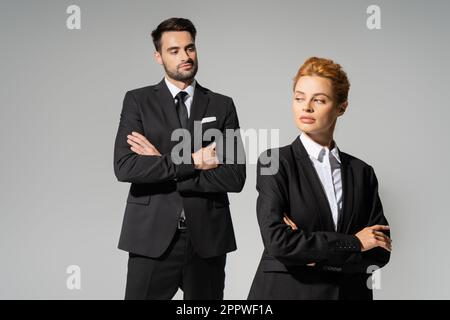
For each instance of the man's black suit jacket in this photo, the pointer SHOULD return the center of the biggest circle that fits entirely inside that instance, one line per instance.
(341, 270)
(160, 188)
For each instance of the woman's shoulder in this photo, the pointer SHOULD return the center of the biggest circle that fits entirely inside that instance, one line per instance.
(274, 161)
(354, 162)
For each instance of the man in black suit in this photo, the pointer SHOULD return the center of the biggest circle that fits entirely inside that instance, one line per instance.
(177, 226)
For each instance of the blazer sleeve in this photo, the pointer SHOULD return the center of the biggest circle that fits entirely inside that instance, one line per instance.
(230, 175)
(378, 257)
(296, 247)
(131, 167)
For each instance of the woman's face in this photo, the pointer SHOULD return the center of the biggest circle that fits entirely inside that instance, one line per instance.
(314, 106)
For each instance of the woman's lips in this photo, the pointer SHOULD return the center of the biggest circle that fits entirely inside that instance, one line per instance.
(307, 120)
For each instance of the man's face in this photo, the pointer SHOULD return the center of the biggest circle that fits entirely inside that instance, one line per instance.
(178, 55)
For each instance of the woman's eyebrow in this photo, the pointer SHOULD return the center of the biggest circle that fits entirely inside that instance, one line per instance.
(315, 94)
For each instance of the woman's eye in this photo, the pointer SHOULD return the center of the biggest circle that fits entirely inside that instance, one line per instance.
(319, 101)
(299, 99)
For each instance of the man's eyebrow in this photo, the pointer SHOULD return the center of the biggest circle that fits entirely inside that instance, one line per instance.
(177, 48)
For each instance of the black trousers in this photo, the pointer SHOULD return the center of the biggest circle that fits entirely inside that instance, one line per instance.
(179, 267)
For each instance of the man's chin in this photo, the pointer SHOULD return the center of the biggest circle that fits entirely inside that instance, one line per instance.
(185, 77)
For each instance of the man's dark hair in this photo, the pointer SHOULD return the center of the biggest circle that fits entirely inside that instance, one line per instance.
(172, 24)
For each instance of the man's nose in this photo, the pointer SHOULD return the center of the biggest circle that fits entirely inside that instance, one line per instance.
(185, 55)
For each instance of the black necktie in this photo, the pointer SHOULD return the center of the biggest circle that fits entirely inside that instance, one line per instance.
(181, 108)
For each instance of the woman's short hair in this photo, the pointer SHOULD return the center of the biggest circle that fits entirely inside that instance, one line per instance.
(326, 68)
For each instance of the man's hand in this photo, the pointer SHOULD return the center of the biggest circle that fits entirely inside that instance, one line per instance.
(372, 237)
(293, 226)
(140, 145)
(206, 158)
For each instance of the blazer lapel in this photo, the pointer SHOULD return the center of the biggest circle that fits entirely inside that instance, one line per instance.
(167, 105)
(198, 106)
(346, 215)
(307, 170)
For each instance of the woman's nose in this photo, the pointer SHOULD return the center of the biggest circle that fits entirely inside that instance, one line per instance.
(307, 107)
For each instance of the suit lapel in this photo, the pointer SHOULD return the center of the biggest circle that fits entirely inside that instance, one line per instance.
(308, 173)
(167, 105)
(198, 106)
(346, 215)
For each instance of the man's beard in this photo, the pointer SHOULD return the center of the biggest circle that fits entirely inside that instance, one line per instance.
(183, 75)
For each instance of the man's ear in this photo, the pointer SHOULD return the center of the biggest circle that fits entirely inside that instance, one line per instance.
(158, 57)
(342, 108)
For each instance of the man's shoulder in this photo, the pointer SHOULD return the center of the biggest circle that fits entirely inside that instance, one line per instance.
(142, 91)
(213, 94)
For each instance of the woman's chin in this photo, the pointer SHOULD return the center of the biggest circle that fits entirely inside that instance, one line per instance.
(306, 128)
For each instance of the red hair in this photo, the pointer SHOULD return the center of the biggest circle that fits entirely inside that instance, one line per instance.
(326, 68)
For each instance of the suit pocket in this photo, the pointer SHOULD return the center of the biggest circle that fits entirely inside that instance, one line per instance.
(138, 195)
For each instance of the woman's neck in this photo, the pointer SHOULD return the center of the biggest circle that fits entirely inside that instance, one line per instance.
(325, 140)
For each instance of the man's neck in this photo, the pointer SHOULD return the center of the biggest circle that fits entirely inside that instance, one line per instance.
(180, 84)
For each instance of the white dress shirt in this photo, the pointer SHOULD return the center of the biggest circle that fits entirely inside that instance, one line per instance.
(328, 167)
(174, 90)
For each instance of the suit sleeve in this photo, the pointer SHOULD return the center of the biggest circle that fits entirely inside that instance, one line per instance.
(295, 247)
(134, 168)
(377, 257)
(227, 177)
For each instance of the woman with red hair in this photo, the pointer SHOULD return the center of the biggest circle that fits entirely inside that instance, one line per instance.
(319, 212)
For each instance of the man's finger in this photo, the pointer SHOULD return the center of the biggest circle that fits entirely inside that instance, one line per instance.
(380, 227)
(141, 140)
(381, 234)
(383, 238)
(135, 150)
(385, 246)
(134, 144)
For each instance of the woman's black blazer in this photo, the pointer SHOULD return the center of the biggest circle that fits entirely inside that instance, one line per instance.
(342, 271)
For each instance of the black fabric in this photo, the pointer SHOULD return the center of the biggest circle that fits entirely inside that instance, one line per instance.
(293, 188)
(179, 267)
(161, 188)
(181, 108)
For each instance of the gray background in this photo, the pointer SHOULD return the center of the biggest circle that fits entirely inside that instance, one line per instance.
(61, 93)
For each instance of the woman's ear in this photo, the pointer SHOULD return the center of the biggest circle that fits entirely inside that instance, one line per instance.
(342, 108)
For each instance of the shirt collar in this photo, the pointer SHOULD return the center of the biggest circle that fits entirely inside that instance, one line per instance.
(174, 90)
(317, 151)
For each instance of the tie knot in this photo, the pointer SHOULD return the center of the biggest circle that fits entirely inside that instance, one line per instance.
(181, 96)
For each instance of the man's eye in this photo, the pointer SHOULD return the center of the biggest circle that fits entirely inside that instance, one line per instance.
(191, 49)
(173, 52)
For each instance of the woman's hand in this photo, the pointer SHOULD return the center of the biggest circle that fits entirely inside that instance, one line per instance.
(293, 226)
(372, 237)
(289, 222)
